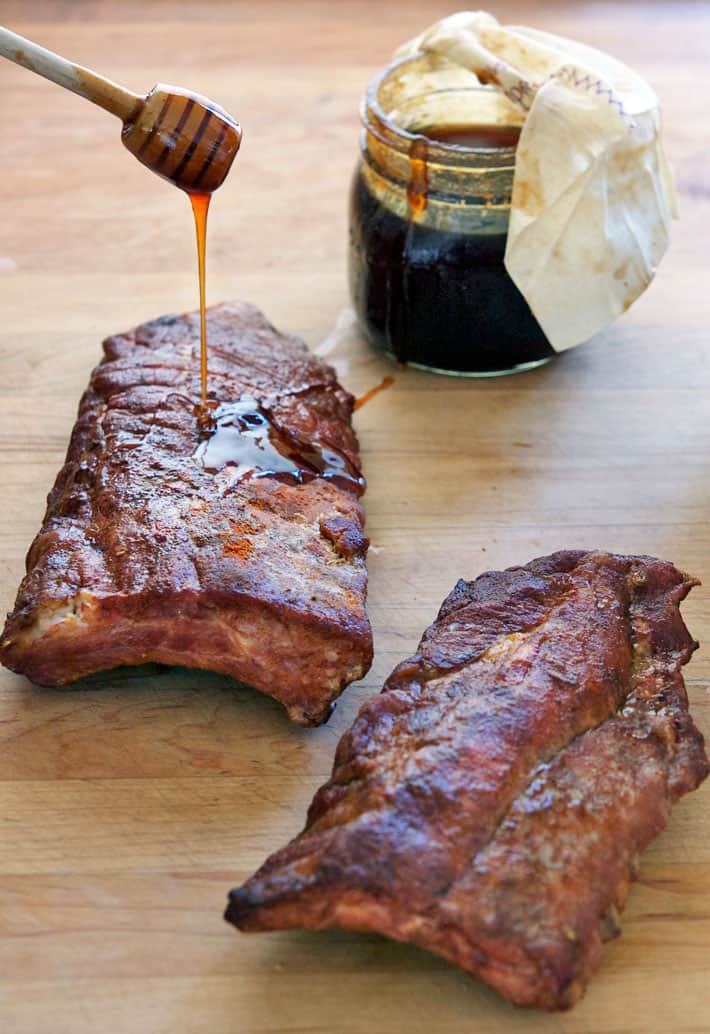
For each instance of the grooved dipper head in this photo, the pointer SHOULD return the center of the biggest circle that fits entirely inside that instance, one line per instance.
(183, 137)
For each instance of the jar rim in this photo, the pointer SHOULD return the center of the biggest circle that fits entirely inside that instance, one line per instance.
(377, 121)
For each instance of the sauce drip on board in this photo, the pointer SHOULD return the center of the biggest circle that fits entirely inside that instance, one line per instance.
(386, 382)
(244, 435)
(200, 206)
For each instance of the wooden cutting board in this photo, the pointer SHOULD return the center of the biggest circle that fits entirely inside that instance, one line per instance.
(129, 807)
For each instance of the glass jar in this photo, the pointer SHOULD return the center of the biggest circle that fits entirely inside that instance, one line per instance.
(429, 211)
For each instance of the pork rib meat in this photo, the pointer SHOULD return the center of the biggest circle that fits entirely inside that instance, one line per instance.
(489, 805)
(148, 554)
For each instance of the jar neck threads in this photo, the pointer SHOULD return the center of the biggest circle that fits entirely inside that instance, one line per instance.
(409, 97)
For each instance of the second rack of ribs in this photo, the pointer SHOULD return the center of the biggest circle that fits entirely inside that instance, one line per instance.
(490, 803)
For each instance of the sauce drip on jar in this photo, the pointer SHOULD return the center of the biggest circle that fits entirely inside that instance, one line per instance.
(418, 185)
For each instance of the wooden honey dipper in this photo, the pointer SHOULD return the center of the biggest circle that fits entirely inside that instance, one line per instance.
(180, 135)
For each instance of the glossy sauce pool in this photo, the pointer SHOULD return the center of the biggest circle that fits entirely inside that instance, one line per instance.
(245, 436)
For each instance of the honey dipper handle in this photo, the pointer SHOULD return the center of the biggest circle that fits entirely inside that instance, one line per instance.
(72, 77)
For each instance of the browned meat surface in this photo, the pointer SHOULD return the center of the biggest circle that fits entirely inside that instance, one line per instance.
(149, 553)
(489, 805)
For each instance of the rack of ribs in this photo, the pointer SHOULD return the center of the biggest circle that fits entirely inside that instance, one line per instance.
(234, 545)
(490, 804)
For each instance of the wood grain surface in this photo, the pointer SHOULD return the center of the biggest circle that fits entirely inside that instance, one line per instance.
(129, 805)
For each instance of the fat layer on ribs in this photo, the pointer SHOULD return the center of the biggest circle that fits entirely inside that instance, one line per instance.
(490, 804)
(147, 555)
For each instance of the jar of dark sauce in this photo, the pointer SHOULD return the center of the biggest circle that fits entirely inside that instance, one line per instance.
(429, 213)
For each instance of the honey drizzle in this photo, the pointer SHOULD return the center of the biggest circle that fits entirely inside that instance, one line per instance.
(200, 206)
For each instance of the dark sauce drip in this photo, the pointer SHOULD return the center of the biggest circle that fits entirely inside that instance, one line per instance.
(440, 298)
(245, 436)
